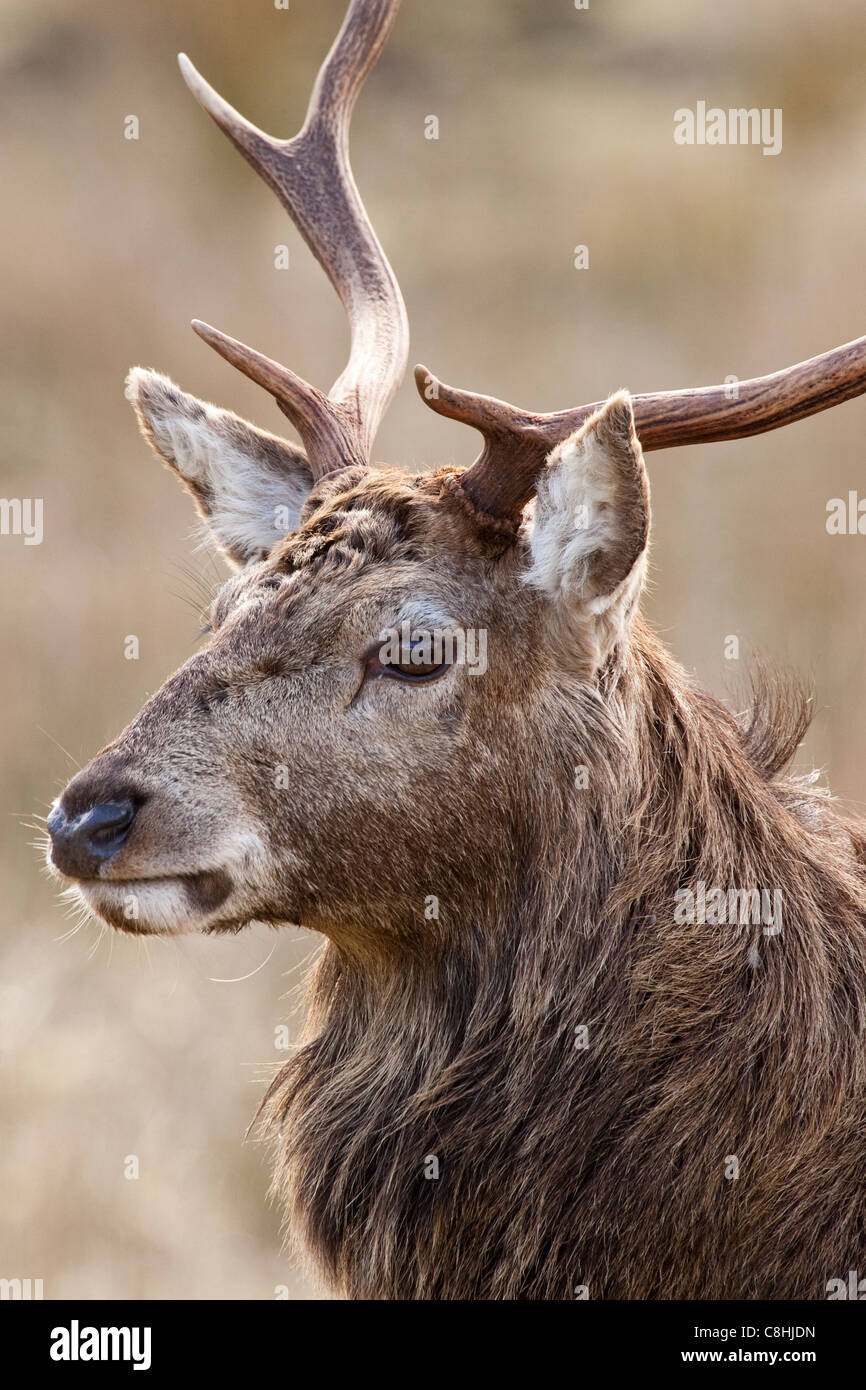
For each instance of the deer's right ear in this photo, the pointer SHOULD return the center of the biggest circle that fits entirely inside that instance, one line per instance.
(589, 530)
(248, 485)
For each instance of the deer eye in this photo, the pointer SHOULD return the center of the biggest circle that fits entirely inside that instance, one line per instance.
(409, 671)
(412, 662)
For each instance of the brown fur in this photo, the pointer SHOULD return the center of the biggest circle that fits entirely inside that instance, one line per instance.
(606, 1167)
(454, 1037)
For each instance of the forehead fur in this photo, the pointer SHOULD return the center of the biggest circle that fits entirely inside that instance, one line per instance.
(365, 516)
(381, 537)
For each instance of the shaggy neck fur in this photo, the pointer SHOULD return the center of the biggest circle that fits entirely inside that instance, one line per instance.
(710, 1049)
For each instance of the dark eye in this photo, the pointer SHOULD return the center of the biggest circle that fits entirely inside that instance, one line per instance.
(414, 671)
(416, 662)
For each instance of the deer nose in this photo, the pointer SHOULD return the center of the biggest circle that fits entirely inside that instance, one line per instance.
(81, 844)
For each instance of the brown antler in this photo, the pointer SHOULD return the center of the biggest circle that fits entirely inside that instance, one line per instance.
(312, 178)
(516, 442)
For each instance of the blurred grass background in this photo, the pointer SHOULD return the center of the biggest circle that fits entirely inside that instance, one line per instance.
(556, 129)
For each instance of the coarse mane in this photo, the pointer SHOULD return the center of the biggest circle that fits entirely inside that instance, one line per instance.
(603, 1167)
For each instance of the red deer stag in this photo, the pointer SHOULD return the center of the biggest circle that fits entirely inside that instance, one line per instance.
(591, 1008)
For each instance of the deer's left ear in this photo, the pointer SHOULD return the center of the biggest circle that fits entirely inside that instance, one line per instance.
(589, 527)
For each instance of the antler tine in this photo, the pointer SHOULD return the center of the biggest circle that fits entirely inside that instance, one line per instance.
(312, 177)
(516, 442)
(324, 428)
(502, 479)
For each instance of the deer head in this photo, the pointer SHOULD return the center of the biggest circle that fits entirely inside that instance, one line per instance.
(324, 760)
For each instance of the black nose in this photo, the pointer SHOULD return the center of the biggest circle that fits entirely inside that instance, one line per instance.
(81, 844)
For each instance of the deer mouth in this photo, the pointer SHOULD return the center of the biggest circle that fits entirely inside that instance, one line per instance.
(167, 904)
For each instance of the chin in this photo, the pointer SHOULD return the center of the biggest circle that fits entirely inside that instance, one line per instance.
(174, 905)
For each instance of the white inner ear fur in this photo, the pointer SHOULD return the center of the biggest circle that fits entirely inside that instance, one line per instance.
(573, 519)
(252, 506)
(250, 485)
(590, 504)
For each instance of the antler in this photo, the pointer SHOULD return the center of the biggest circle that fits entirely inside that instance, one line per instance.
(312, 177)
(516, 442)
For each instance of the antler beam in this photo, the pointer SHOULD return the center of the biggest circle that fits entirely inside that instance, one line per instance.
(312, 177)
(516, 442)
